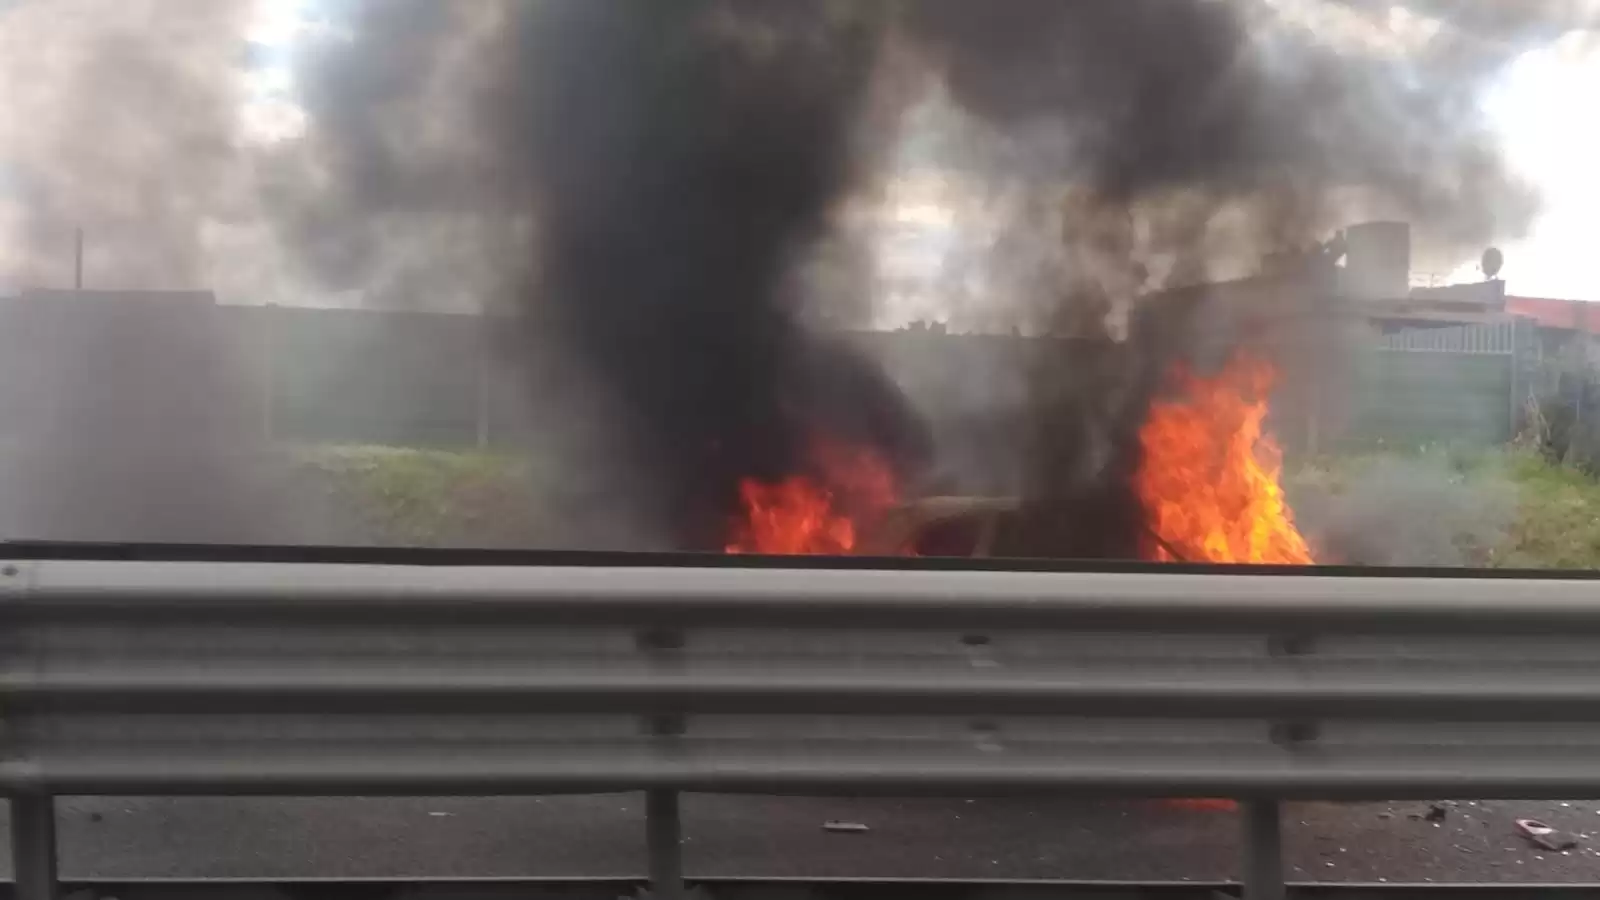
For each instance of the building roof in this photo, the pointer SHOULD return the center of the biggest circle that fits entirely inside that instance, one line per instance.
(1573, 315)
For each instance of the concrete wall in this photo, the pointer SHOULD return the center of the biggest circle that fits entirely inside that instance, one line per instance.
(161, 371)
(1408, 397)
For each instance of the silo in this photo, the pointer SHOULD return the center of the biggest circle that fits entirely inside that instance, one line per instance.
(1378, 260)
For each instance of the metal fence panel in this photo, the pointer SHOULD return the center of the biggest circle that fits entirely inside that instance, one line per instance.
(1493, 338)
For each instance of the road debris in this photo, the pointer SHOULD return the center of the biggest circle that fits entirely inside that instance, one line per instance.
(1434, 812)
(1546, 837)
(845, 827)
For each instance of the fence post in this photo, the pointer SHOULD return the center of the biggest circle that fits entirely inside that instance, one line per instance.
(663, 817)
(33, 846)
(1524, 369)
(664, 842)
(269, 369)
(1314, 421)
(1263, 851)
(484, 397)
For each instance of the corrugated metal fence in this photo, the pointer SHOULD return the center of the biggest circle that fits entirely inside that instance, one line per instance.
(420, 379)
(1493, 338)
(1448, 385)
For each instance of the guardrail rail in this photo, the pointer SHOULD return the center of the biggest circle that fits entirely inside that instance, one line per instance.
(232, 678)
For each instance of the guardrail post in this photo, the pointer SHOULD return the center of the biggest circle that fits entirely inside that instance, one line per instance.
(664, 838)
(663, 818)
(1263, 851)
(33, 846)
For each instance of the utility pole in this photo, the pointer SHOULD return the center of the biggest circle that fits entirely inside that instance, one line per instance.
(77, 261)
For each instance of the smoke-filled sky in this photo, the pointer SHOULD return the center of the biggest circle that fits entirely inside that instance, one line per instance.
(669, 190)
(171, 127)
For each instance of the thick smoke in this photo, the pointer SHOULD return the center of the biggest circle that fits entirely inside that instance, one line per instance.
(667, 166)
(121, 119)
(639, 181)
(1191, 140)
(113, 429)
(1265, 123)
(1419, 511)
(683, 156)
(402, 187)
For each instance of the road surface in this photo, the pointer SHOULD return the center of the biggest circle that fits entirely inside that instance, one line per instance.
(111, 838)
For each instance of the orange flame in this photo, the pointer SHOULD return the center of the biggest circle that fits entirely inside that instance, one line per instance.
(1209, 481)
(815, 515)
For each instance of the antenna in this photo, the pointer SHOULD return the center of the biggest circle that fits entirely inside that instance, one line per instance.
(1492, 260)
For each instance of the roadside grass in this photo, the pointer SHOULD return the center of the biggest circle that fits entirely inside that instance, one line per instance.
(1558, 526)
(1553, 521)
(1550, 518)
(415, 497)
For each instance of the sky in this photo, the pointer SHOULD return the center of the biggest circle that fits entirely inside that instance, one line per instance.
(1546, 109)
(278, 26)
(1538, 108)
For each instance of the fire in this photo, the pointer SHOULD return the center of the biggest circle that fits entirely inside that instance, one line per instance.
(815, 514)
(1209, 480)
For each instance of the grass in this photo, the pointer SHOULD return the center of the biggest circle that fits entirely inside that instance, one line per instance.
(1558, 522)
(1498, 508)
(410, 497)
(1505, 508)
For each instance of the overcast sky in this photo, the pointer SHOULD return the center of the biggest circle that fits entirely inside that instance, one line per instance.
(1540, 107)
(1545, 110)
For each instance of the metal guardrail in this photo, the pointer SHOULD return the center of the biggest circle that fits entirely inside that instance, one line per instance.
(305, 679)
(783, 889)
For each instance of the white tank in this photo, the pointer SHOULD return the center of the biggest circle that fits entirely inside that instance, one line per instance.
(1377, 263)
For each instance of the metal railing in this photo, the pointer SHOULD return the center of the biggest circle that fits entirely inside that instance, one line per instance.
(235, 678)
(1488, 337)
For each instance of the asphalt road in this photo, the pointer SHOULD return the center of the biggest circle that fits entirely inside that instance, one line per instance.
(776, 837)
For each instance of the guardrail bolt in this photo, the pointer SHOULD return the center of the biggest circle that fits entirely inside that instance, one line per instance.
(980, 650)
(1291, 645)
(661, 639)
(1292, 733)
(669, 725)
(663, 647)
(986, 736)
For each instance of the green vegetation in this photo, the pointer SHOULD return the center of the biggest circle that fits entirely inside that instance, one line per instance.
(409, 497)
(1509, 508)
(1504, 508)
(1558, 525)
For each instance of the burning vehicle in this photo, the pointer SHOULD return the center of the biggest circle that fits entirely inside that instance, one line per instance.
(1208, 485)
(1194, 479)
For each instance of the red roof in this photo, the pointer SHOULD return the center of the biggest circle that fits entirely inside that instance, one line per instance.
(1552, 313)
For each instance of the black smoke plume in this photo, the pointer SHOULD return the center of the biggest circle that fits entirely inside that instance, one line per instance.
(654, 171)
(683, 155)
(635, 183)
(1188, 134)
